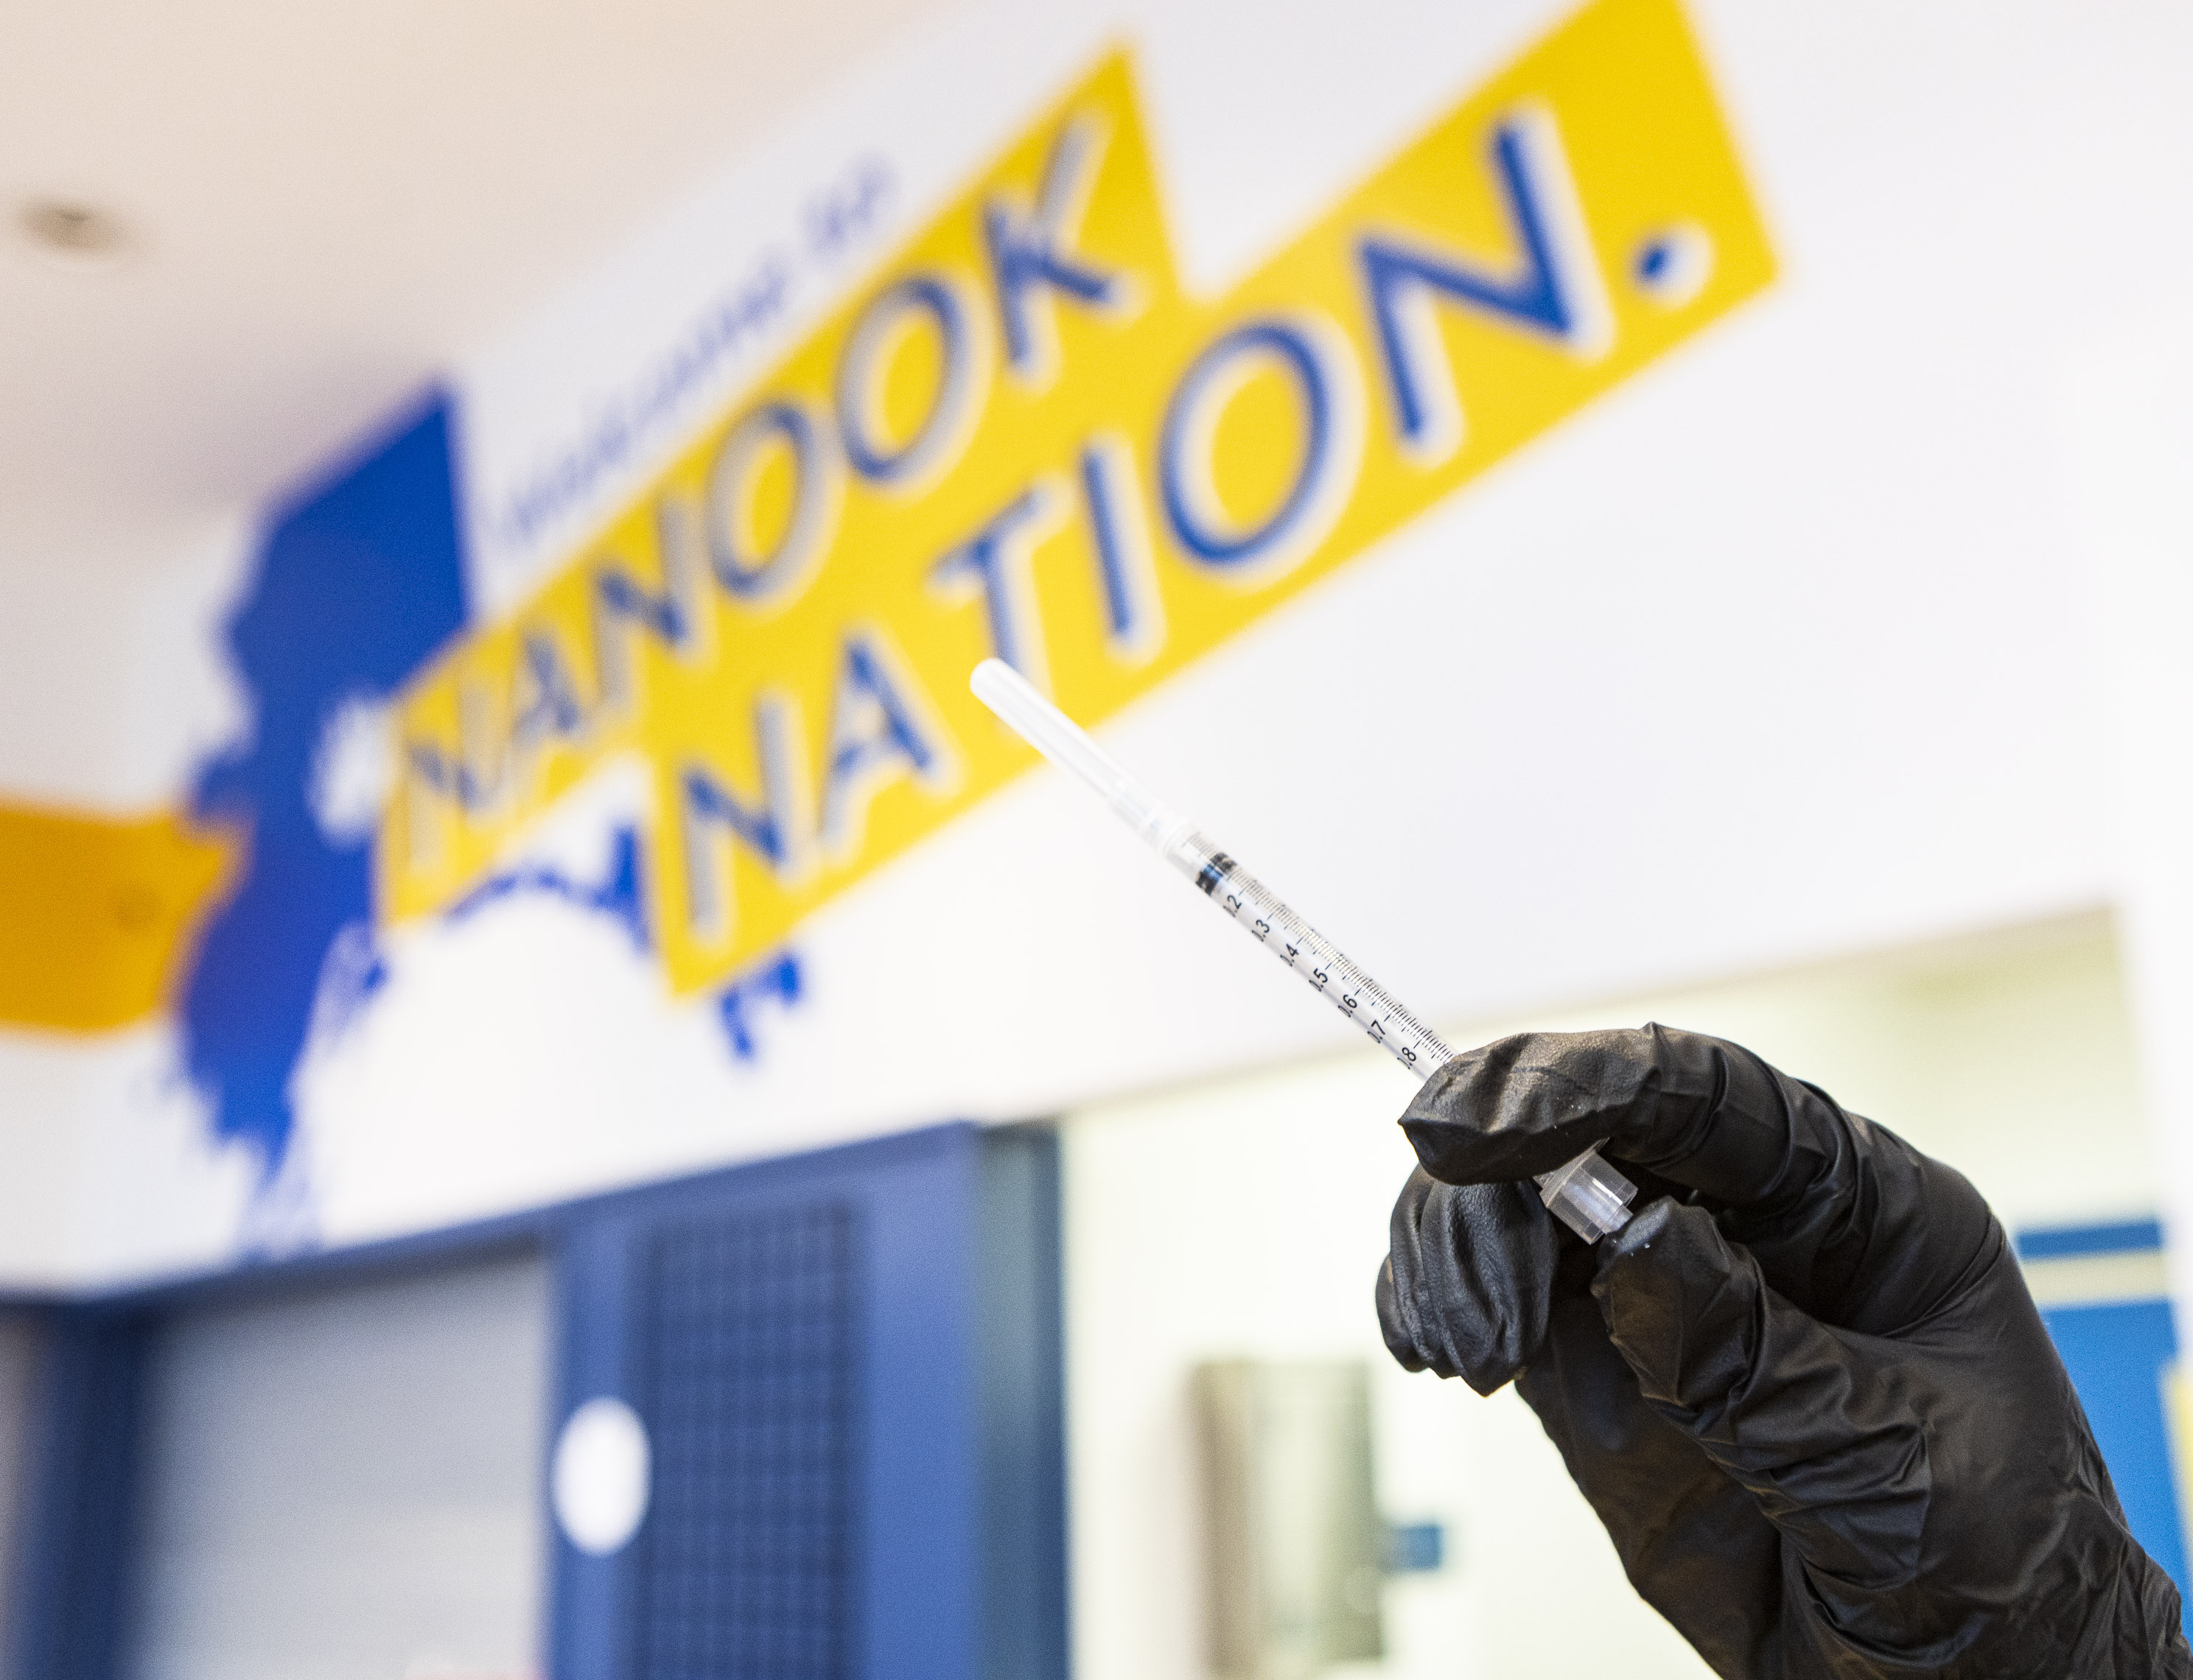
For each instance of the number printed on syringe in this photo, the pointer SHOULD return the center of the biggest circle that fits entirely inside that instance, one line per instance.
(1250, 903)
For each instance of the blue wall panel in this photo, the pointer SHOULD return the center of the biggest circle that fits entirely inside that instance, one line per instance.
(960, 1467)
(2118, 1355)
(67, 1589)
(952, 1411)
(2119, 1347)
(590, 1598)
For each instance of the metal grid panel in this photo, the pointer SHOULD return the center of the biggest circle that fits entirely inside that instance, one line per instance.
(751, 1337)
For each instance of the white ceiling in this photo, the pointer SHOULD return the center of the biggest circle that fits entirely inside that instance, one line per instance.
(328, 203)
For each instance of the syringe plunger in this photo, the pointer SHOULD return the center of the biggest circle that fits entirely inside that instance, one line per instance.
(1050, 732)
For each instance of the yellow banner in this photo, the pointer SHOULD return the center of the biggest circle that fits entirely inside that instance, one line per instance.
(1024, 439)
(98, 914)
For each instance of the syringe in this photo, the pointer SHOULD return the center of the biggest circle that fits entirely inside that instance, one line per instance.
(1587, 1194)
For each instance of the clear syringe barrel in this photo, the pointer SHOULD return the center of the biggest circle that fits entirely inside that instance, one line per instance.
(1587, 1194)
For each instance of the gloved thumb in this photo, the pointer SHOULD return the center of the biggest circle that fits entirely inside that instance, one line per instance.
(1793, 1411)
(1467, 1283)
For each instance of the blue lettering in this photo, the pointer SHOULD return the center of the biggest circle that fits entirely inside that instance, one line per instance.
(745, 310)
(778, 981)
(472, 778)
(772, 827)
(866, 358)
(1134, 620)
(838, 215)
(1554, 291)
(1026, 254)
(544, 702)
(710, 808)
(876, 736)
(622, 605)
(995, 564)
(758, 579)
(1330, 452)
(442, 774)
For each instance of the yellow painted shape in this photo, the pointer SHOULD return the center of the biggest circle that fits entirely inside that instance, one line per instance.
(97, 914)
(1623, 89)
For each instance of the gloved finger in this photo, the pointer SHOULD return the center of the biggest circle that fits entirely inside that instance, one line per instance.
(1467, 1279)
(1791, 1410)
(1704, 1112)
(1693, 1543)
(1849, 1220)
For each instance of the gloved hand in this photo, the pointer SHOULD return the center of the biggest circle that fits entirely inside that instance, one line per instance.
(1805, 1389)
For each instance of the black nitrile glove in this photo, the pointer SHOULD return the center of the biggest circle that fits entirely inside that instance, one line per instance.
(1806, 1392)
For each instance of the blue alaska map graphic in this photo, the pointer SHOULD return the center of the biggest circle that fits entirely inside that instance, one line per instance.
(358, 580)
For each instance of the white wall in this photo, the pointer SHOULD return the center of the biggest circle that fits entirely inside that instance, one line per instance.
(1248, 1217)
(2129, 418)
(1777, 652)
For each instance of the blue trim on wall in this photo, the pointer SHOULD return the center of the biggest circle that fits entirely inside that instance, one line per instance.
(68, 1582)
(589, 1598)
(963, 1474)
(2117, 1354)
(2128, 1236)
(476, 1239)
